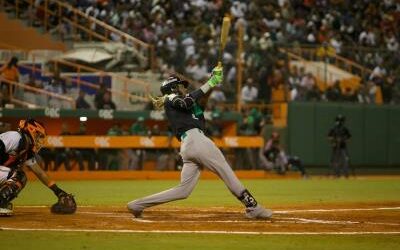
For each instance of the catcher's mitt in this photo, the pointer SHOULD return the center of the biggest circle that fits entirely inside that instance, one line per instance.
(65, 205)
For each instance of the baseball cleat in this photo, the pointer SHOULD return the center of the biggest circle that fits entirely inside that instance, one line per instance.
(134, 209)
(136, 213)
(6, 210)
(258, 212)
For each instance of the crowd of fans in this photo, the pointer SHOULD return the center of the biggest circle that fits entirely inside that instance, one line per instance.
(186, 35)
(362, 30)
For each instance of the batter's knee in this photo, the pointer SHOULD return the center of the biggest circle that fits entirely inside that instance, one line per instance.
(184, 193)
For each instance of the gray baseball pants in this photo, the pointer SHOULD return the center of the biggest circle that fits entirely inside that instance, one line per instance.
(196, 150)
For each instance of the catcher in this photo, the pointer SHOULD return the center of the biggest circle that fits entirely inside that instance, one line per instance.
(18, 149)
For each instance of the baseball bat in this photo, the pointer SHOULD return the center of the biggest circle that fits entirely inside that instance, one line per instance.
(226, 24)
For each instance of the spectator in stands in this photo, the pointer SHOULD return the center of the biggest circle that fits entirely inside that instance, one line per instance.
(139, 128)
(249, 127)
(341, 24)
(106, 103)
(113, 161)
(333, 92)
(349, 95)
(273, 156)
(56, 85)
(9, 72)
(249, 92)
(88, 154)
(80, 102)
(213, 126)
(65, 155)
(4, 127)
(98, 99)
(217, 95)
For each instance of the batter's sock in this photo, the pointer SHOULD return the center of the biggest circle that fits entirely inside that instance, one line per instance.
(247, 199)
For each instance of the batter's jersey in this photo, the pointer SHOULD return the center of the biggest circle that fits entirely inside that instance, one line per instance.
(184, 113)
(12, 143)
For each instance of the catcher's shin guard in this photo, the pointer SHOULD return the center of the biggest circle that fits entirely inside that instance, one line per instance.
(10, 189)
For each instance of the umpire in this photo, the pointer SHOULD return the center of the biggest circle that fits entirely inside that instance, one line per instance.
(339, 136)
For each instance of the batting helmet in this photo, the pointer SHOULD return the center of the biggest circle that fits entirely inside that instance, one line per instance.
(170, 85)
(35, 130)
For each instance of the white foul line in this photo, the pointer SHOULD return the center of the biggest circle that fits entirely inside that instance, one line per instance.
(335, 210)
(192, 231)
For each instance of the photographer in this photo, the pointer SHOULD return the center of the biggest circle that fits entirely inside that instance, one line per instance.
(338, 136)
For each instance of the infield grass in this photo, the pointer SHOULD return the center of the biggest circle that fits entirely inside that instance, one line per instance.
(273, 193)
(214, 193)
(110, 241)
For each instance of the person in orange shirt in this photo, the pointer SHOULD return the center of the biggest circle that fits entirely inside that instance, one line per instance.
(9, 72)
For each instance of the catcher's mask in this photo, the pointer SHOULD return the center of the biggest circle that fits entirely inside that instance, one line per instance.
(170, 85)
(36, 132)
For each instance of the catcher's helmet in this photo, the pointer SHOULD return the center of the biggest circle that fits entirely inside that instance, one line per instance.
(35, 130)
(170, 85)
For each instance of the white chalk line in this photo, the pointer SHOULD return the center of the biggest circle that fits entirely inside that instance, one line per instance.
(275, 211)
(339, 222)
(219, 209)
(280, 220)
(192, 231)
(336, 210)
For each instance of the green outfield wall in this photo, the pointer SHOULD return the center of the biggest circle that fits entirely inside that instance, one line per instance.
(375, 132)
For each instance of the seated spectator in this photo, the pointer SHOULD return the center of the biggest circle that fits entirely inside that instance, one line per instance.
(139, 128)
(349, 95)
(249, 92)
(217, 95)
(106, 103)
(333, 92)
(88, 154)
(9, 72)
(273, 157)
(113, 161)
(55, 86)
(65, 155)
(80, 102)
(98, 98)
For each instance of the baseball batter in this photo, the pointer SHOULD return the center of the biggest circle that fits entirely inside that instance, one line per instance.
(186, 118)
(18, 149)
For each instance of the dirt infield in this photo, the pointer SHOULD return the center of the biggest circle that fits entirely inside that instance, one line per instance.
(341, 219)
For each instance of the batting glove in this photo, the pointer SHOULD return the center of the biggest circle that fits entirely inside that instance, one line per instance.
(216, 76)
